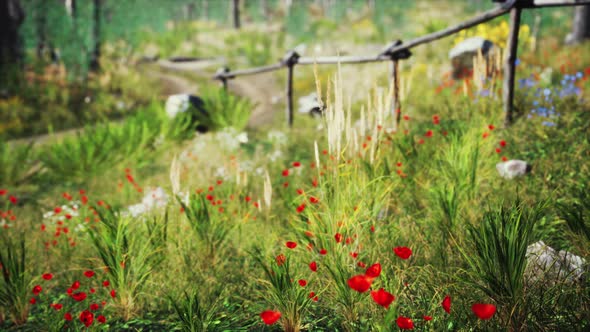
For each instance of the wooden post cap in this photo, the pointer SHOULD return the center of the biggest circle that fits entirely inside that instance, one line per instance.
(290, 58)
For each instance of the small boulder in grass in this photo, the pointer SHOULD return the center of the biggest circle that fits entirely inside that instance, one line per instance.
(463, 53)
(513, 168)
(546, 263)
(310, 105)
(181, 103)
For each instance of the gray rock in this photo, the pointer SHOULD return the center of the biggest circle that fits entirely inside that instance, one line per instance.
(182, 103)
(310, 105)
(546, 263)
(513, 168)
(462, 54)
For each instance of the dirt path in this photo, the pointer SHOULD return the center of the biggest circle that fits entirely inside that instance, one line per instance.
(263, 89)
(172, 77)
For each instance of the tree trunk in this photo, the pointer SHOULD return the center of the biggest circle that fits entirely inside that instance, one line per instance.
(95, 57)
(11, 18)
(580, 26)
(236, 12)
(41, 18)
(71, 7)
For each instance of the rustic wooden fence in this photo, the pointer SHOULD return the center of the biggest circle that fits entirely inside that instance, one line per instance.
(399, 50)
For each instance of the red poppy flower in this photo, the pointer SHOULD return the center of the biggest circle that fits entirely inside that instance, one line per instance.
(37, 289)
(361, 265)
(285, 172)
(47, 276)
(502, 143)
(13, 200)
(373, 271)
(3, 192)
(75, 285)
(94, 307)
(483, 311)
(57, 306)
(68, 316)
(57, 210)
(106, 283)
(300, 208)
(291, 244)
(313, 200)
(338, 237)
(80, 296)
(382, 298)
(498, 150)
(270, 317)
(446, 304)
(33, 300)
(323, 252)
(360, 283)
(427, 318)
(280, 259)
(113, 293)
(403, 252)
(491, 127)
(101, 319)
(485, 135)
(86, 317)
(504, 158)
(296, 164)
(313, 266)
(302, 282)
(428, 133)
(89, 274)
(405, 323)
(300, 191)
(354, 255)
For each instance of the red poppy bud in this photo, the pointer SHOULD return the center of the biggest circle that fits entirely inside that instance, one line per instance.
(446, 304)
(313, 266)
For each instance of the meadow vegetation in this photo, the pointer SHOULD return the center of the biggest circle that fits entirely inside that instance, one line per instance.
(349, 223)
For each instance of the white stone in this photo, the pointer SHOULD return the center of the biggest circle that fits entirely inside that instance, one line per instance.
(309, 103)
(513, 168)
(177, 104)
(544, 261)
(471, 45)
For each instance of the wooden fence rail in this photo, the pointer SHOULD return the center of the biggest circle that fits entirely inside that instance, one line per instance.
(399, 50)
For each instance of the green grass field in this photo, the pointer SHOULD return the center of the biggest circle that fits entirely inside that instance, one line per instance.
(349, 223)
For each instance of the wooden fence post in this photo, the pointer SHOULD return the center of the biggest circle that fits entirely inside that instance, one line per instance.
(395, 56)
(397, 107)
(236, 13)
(290, 60)
(221, 75)
(509, 65)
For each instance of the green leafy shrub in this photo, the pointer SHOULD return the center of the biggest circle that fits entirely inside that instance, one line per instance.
(16, 163)
(224, 110)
